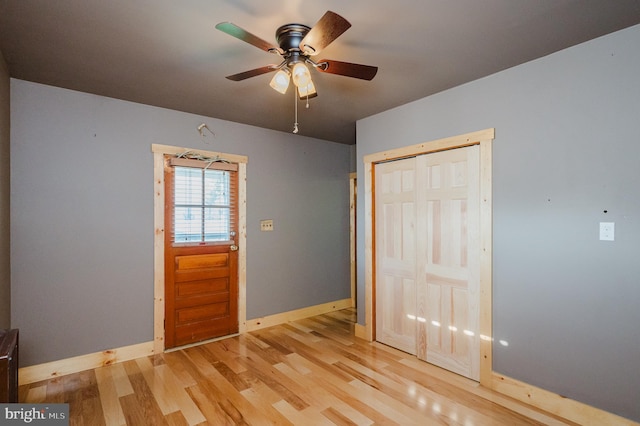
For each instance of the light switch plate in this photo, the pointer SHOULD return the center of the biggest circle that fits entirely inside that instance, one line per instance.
(607, 231)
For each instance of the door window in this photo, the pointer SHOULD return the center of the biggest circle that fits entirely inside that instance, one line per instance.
(202, 205)
(201, 202)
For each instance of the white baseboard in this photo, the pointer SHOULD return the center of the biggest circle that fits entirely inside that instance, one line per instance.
(50, 370)
(271, 320)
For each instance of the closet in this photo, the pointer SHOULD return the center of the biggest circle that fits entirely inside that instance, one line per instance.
(427, 257)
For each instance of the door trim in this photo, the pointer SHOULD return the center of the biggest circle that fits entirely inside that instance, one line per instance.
(484, 139)
(158, 244)
(352, 234)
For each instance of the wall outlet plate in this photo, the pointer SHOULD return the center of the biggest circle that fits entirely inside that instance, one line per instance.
(266, 225)
(607, 231)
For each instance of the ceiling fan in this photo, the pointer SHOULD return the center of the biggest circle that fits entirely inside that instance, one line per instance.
(297, 43)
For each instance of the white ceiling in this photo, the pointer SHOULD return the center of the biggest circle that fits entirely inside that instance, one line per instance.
(168, 53)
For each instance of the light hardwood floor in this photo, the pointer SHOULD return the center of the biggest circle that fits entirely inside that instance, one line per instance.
(308, 372)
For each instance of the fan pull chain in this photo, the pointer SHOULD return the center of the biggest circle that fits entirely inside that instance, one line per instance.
(295, 103)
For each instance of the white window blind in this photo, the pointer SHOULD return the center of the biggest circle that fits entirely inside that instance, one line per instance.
(203, 201)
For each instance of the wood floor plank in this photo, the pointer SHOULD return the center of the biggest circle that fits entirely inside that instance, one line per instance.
(176, 419)
(238, 408)
(82, 394)
(308, 372)
(210, 409)
(188, 409)
(323, 397)
(385, 404)
(92, 413)
(341, 391)
(37, 395)
(268, 375)
(340, 419)
(237, 380)
(55, 391)
(312, 354)
(111, 407)
(142, 401)
(175, 362)
(308, 416)
(120, 379)
(228, 351)
(160, 389)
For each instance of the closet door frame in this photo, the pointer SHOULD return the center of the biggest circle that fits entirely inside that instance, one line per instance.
(484, 139)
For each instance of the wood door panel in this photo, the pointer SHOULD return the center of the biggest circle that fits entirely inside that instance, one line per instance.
(201, 312)
(460, 336)
(202, 330)
(454, 280)
(448, 219)
(202, 287)
(201, 274)
(200, 261)
(396, 325)
(203, 301)
(188, 302)
(395, 263)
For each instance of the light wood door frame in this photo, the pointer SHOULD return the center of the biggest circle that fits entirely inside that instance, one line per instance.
(159, 152)
(484, 139)
(352, 234)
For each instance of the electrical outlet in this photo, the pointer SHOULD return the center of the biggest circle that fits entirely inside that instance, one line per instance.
(266, 225)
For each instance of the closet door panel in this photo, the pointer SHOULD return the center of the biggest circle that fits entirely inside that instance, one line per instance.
(447, 223)
(395, 254)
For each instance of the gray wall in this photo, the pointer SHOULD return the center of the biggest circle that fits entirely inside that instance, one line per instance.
(566, 150)
(5, 270)
(82, 217)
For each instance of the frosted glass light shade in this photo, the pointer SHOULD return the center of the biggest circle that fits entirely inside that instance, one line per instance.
(307, 90)
(280, 81)
(301, 75)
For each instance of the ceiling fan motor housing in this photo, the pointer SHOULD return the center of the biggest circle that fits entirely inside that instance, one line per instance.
(289, 36)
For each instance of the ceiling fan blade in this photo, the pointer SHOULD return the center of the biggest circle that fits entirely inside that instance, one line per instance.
(327, 29)
(252, 73)
(239, 33)
(364, 72)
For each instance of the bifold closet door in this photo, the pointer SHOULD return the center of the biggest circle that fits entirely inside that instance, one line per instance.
(448, 266)
(395, 230)
(427, 244)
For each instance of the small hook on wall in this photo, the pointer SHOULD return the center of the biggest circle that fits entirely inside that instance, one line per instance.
(201, 129)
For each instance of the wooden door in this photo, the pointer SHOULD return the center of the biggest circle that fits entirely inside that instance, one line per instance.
(395, 254)
(448, 276)
(201, 264)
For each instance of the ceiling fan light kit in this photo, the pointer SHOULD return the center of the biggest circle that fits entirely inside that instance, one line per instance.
(280, 81)
(296, 44)
(308, 91)
(301, 75)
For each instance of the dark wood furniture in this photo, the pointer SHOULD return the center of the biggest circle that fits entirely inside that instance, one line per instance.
(9, 366)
